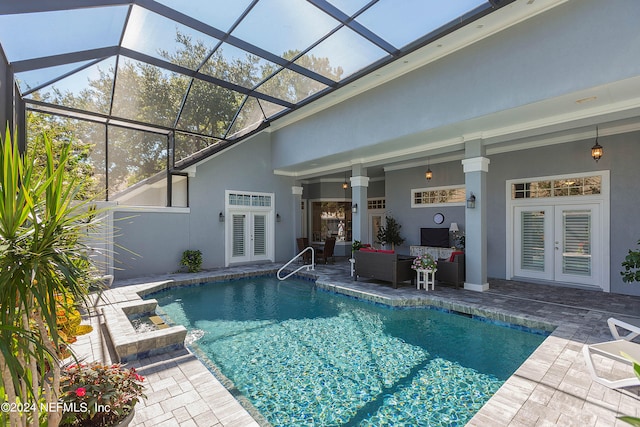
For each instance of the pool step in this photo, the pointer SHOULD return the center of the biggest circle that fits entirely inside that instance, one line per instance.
(157, 320)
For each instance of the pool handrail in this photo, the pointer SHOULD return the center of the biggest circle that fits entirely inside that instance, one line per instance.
(307, 266)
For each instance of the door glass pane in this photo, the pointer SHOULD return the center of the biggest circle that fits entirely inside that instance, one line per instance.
(238, 235)
(576, 251)
(532, 249)
(376, 223)
(260, 235)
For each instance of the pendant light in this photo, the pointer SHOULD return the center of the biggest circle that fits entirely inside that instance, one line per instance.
(596, 150)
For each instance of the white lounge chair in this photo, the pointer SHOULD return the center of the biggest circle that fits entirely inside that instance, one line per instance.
(618, 350)
(632, 325)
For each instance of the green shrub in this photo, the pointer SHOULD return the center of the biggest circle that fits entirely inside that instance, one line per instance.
(631, 266)
(192, 259)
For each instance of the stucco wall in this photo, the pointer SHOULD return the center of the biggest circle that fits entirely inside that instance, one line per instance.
(162, 237)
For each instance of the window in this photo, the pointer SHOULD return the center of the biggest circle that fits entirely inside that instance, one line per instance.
(450, 195)
(376, 204)
(331, 219)
(255, 200)
(560, 187)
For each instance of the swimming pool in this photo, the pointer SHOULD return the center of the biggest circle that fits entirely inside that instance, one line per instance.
(303, 356)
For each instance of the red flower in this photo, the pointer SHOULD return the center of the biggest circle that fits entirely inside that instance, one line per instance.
(81, 391)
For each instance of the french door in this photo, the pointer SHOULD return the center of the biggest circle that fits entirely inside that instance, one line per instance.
(558, 243)
(249, 228)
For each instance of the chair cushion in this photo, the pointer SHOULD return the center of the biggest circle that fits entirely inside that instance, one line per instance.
(386, 251)
(453, 255)
(369, 249)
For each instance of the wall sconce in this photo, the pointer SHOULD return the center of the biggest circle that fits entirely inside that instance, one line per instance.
(471, 202)
(354, 208)
(221, 217)
(596, 150)
(454, 227)
(278, 218)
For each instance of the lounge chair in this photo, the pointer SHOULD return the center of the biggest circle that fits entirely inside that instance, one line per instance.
(616, 325)
(618, 350)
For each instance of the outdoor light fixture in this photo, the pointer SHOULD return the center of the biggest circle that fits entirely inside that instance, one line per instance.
(354, 208)
(345, 185)
(471, 202)
(278, 218)
(596, 150)
(428, 174)
(454, 227)
(221, 217)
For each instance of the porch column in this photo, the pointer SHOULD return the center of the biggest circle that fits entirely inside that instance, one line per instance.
(475, 173)
(296, 209)
(359, 184)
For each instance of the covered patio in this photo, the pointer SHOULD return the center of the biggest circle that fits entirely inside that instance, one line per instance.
(552, 387)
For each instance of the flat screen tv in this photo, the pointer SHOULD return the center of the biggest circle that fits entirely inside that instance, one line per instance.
(437, 237)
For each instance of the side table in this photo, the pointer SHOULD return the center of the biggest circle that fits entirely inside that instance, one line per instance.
(426, 278)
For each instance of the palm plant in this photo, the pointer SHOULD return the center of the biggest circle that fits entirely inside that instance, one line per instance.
(42, 260)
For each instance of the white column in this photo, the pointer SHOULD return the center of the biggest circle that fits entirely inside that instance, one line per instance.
(475, 175)
(359, 224)
(296, 209)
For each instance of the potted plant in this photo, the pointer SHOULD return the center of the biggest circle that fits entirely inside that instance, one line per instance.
(390, 235)
(424, 262)
(100, 395)
(192, 259)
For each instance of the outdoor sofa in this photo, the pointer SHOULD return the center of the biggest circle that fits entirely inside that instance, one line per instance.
(383, 265)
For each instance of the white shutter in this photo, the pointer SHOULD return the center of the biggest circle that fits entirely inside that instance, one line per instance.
(533, 241)
(259, 235)
(238, 238)
(576, 252)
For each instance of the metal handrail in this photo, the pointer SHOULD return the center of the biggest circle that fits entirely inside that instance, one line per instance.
(307, 266)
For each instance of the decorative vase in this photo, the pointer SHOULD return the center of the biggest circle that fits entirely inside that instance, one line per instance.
(127, 420)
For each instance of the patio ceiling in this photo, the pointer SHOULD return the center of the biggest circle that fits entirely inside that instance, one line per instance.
(261, 59)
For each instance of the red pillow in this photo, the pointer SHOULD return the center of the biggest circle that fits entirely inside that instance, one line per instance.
(367, 250)
(453, 255)
(386, 251)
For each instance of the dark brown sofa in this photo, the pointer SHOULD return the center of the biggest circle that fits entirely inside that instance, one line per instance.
(389, 267)
(451, 271)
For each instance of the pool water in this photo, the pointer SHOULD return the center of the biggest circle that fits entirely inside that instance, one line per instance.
(307, 357)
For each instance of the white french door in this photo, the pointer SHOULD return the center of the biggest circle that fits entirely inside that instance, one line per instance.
(249, 228)
(559, 243)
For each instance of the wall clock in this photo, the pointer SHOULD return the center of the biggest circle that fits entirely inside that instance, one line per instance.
(438, 218)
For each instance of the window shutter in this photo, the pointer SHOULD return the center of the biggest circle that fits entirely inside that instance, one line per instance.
(238, 235)
(576, 253)
(260, 235)
(532, 241)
